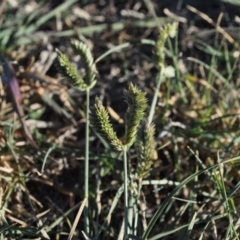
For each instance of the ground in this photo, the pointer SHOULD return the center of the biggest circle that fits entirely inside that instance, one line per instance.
(196, 117)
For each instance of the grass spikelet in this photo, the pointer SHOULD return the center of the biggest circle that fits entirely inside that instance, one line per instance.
(145, 146)
(168, 30)
(99, 119)
(87, 59)
(68, 71)
(137, 104)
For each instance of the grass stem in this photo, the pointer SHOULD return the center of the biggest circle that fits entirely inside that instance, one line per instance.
(125, 194)
(86, 179)
(155, 97)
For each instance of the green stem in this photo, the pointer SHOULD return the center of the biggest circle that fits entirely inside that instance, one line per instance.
(125, 194)
(137, 211)
(86, 180)
(131, 212)
(155, 97)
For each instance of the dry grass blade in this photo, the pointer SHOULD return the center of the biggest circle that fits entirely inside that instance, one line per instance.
(209, 20)
(8, 77)
(77, 218)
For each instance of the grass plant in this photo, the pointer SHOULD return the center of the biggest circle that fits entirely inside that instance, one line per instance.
(78, 82)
